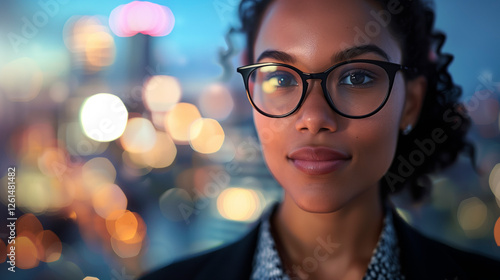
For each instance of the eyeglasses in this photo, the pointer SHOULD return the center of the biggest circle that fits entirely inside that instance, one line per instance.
(354, 89)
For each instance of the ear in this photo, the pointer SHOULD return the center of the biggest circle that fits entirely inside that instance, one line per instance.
(415, 94)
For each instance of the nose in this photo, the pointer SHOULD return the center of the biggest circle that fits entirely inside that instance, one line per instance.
(315, 115)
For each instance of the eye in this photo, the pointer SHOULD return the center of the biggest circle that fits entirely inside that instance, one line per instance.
(356, 78)
(281, 79)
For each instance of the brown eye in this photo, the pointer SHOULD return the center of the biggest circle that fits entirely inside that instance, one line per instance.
(282, 79)
(356, 79)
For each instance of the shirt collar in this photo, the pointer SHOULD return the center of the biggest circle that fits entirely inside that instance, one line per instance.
(384, 263)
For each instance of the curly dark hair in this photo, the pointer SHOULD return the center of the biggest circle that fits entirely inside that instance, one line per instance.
(441, 114)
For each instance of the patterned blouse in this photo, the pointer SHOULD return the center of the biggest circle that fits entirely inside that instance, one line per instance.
(384, 263)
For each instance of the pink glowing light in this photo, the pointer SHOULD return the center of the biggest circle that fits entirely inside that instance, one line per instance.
(141, 17)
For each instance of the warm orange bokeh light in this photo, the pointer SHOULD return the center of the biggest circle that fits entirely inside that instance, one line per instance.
(238, 204)
(26, 253)
(53, 162)
(34, 243)
(90, 42)
(163, 152)
(206, 136)
(127, 230)
(29, 226)
(124, 249)
(161, 93)
(33, 141)
(50, 247)
(126, 226)
(99, 49)
(178, 121)
(109, 199)
(139, 136)
(97, 172)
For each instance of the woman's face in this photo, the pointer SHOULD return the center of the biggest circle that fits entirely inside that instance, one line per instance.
(321, 159)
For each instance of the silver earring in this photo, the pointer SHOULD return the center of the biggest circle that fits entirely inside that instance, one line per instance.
(407, 129)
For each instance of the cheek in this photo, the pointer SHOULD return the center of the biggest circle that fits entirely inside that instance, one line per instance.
(374, 149)
(274, 135)
(269, 135)
(376, 136)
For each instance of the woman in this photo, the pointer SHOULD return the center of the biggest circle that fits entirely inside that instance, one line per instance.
(378, 112)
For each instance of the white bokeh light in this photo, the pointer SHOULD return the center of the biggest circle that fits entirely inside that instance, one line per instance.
(103, 117)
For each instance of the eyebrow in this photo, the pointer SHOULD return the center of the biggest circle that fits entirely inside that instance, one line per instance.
(344, 55)
(355, 51)
(277, 55)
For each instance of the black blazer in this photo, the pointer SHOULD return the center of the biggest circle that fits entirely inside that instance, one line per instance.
(421, 258)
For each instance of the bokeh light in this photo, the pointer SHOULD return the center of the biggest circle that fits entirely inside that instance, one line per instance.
(77, 143)
(126, 226)
(53, 162)
(178, 121)
(161, 93)
(226, 153)
(494, 180)
(141, 17)
(238, 204)
(472, 213)
(90, 42)
(21, 80)
(103, 117)
(135, 161)
(126, 249)
(50, 247)
(496, 231)
(216, 102)
(108, 199)
(97, 172)
(34, 244)
(193, 171)
(176, 204)
(206, 136)
(36, 194)
(100, 49)
(163, 152)
(139, 136)
(28, 225)
(26, 253)
(127, 230)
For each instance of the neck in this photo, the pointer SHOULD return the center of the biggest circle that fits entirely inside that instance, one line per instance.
(344, 239)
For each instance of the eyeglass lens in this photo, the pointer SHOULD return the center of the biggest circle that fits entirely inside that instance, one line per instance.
(355, 89)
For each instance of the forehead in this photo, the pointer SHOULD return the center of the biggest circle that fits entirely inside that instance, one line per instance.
(313, 30)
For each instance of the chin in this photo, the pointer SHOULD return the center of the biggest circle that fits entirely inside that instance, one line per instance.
(319, 208)
(319, 202)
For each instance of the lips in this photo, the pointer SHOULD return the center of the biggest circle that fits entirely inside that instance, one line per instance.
(317, 160)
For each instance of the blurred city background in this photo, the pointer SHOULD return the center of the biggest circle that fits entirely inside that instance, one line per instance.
(133, 143)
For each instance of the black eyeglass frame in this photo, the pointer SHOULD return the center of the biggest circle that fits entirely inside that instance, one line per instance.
(390, 68)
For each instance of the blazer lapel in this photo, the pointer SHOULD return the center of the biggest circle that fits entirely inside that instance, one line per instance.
(234, 261)
(422, 258)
